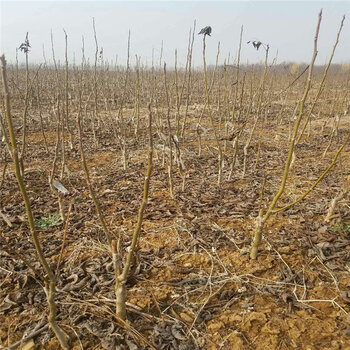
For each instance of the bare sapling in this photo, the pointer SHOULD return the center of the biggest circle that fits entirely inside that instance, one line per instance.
(264, 121)
(180, 163)
(226, 102)
(66, 94)
(342, 112)
(158, 120)
(99, 211)
(154, 97)
(137, 98)
(170, 140)
(258, 112)
(263, 217)
(122, 278)
(219, 107)
(189, 79)
(238, 134)
(161, 55)
(208, 106)
(321, 86)
(50, 281)
(200, 131)
(211, 85)
(241, 99)
(122, 273)
(121, 115)
(62, 120)
(319, 179)
(55, 186)
(178, 99)
(180, 91)
(334, 202)
(234, 108)
(4, 136)
(25, 46)
(122, 138)
(279, 119)
(331, 114)
(41, 119)
(63, 240)
(4, 168)
(336, 123)
(96, 112)
(17, 75)
(290, 120)
(112, 244)
(234, 155)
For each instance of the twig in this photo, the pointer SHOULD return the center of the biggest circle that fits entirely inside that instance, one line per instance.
(63, 240)
(30, 336)
(228, 237)
(295, 80)
(330, 273)
(332, 301)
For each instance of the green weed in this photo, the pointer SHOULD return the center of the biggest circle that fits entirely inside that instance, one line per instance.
(337, 228)
(48, 221)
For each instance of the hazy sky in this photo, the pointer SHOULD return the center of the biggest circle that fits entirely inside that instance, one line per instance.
(288, 27)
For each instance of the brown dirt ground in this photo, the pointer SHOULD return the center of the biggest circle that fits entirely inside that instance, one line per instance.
(194, 285)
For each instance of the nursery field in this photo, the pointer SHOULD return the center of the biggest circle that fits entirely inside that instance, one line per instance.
(168, 208)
